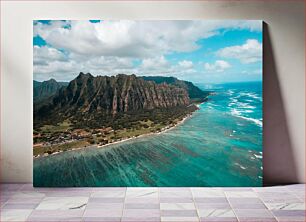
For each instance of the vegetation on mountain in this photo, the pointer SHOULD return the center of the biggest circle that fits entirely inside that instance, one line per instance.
(106, 109)
(193, 91)
(45, 89)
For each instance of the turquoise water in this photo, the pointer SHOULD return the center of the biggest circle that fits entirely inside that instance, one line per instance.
(220, 145)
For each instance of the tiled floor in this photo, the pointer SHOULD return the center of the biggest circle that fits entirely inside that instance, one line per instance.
(22, 202)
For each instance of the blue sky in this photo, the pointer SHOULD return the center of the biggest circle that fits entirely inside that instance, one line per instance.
(198, 51)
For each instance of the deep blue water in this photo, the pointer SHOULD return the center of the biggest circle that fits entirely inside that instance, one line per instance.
(220, 145)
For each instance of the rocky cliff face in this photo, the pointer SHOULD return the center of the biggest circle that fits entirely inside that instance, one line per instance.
(193, 91)
(42, 90)
(115, 94)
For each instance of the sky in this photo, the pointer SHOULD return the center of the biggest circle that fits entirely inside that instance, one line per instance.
(200, 51)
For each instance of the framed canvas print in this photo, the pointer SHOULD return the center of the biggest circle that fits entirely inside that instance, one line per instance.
(171, 103)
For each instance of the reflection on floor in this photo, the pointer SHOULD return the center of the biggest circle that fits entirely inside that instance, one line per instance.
(22, 202)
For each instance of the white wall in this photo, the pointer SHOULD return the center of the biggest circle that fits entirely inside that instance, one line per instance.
(284, 101)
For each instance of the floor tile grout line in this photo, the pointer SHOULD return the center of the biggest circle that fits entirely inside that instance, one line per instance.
(26, 219)
(37, 204)
(302, 199)
(23, 186)
(231, 205)
(5, 202)
(91, 192)
(266, 206)
(123, 206)
(258, 196)
(194, 203)
(158, 197)
(253, 190)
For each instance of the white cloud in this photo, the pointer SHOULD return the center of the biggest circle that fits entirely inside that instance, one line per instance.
(217, 66)
(161, 66)
(111, 47)
(108, 64)
(185, 64)
(252, 72)
(69, 69)
(156, 63)
(44, 54)
(249, 52)
(126, 38)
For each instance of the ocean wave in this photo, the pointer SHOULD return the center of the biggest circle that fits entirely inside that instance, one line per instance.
(256, 121)
(248, 111)
(251, 95)
(210, 105)
(230, 92)
(210, 87)
(245, 105)
(241, 167)
(231, 104)
(235, 112)
(234, 101)
(258, 156)
(238, 113)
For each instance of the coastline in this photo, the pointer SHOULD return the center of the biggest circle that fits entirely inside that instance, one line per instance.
(163, 130)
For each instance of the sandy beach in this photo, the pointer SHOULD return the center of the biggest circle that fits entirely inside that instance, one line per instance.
(148, 134)
(163, 130)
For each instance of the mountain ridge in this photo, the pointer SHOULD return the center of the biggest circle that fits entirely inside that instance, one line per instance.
(106, 109)
(193, 91)
(87, 98)
(45, 89)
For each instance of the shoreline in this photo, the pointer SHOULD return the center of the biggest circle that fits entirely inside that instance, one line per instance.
(163, 130)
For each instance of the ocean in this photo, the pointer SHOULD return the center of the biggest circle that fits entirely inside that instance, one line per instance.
(219, 145)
